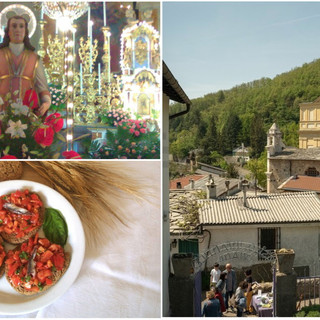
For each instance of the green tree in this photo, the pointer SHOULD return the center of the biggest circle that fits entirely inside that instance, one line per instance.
(184, 143)
(258, 168)
(258, 136)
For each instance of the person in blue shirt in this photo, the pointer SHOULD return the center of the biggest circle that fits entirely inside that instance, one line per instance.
(211, 307)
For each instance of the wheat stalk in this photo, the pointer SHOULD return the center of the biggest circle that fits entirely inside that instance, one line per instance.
(85, 185)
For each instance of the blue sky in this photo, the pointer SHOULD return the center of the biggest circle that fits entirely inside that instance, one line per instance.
(210, 46)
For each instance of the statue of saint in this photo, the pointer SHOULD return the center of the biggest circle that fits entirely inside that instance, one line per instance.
(21, 68)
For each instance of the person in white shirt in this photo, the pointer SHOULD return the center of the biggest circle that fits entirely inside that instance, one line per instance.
(214, 275)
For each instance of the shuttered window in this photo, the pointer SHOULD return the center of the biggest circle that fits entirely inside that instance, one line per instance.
(189, 246)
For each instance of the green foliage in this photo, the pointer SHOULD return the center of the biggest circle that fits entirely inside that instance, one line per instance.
(258, 167)
(184, 143)
(129, 140)
(274, 100)
(178, 170)
(310, 311)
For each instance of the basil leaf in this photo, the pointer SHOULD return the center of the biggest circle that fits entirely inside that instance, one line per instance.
(23, 255)
(55, 227)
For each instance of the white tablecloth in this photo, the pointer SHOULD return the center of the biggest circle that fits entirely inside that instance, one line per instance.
(120, 278)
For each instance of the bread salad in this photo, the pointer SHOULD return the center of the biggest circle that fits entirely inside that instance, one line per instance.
(36, 263)
(21, 215)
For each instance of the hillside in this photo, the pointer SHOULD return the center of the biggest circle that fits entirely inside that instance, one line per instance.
(223, 120)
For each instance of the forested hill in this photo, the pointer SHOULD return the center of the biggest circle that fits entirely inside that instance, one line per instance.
(223, 120)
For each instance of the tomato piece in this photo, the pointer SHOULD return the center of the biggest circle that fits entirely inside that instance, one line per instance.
(43, 274)
(58, 261)
(48, 282)
(10, 261)
(13, 268)
(44, 242)
(46, 256)
(16, 280)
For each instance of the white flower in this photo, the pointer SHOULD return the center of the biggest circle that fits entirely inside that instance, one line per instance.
(16, 129)
(1, 101)
(19, 108)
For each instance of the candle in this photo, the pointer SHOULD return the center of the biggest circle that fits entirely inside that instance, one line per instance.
(104, 14)
(74, 40)
(89, 22)
(41, 15)
(99, 81)
(56, 27)
(81, 83)
(90, 57)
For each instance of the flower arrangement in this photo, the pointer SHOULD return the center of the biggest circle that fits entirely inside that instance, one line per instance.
(132, 140)
(114, 116)
(57, 98)
(23, 135)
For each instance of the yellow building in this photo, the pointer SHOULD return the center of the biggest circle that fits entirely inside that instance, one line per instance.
(309, 129)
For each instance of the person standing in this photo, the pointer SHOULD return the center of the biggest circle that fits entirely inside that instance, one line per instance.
(211, 307)
(231, 283)
(249, 292)
(214, 275)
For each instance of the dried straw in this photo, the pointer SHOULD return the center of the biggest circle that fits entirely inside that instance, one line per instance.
(85, 185)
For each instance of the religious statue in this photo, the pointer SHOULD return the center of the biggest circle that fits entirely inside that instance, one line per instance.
(21, 69)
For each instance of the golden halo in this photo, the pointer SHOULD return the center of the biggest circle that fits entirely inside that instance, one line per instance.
(20, 10)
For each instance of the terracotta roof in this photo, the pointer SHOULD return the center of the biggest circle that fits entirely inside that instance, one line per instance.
(184, 180)
(301, 183)
(294, 207)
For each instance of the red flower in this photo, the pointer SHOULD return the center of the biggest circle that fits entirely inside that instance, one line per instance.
(31, 99)
(131, 130)
(44, 136)
(137, 133)
(71, 155)
(143, 130)
(8, 156)
(55, 121)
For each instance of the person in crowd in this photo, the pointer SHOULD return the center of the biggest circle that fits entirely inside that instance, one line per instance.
(249, 292)
(231, 284)
(219, 296)
(211, 307)
(214, 275)
(240, 299)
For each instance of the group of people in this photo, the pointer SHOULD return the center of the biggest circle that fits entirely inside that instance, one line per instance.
(223, 285)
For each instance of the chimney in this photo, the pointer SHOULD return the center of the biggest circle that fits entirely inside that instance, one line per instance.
(245, 187)
(191, 181)
(227, 182)
(211, 188)
(179, 186)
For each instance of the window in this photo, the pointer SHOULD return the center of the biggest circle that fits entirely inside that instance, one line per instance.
(269, 239)
(189, 246)
(312, 172)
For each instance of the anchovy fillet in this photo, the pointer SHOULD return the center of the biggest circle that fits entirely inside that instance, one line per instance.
(15, 209)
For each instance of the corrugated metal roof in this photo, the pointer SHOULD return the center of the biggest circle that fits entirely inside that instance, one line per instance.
(293, 207)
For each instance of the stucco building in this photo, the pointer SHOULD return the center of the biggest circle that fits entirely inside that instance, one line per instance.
(309, 128)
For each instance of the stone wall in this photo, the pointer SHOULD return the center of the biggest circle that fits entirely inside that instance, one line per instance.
(284, 169)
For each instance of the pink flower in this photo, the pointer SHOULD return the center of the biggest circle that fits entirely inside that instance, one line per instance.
(8, 156)
(44, 136)
(71, 155)
(55, 121)
(143, 130)
(131, 130)
(137, 133)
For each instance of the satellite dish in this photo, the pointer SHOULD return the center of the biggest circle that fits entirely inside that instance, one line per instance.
(18, 10)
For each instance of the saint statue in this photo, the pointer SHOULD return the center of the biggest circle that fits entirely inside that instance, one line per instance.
(21, 69)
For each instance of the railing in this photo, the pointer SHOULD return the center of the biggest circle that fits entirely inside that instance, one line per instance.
(308, 291)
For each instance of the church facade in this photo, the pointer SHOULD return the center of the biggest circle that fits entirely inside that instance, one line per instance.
(309, 128)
